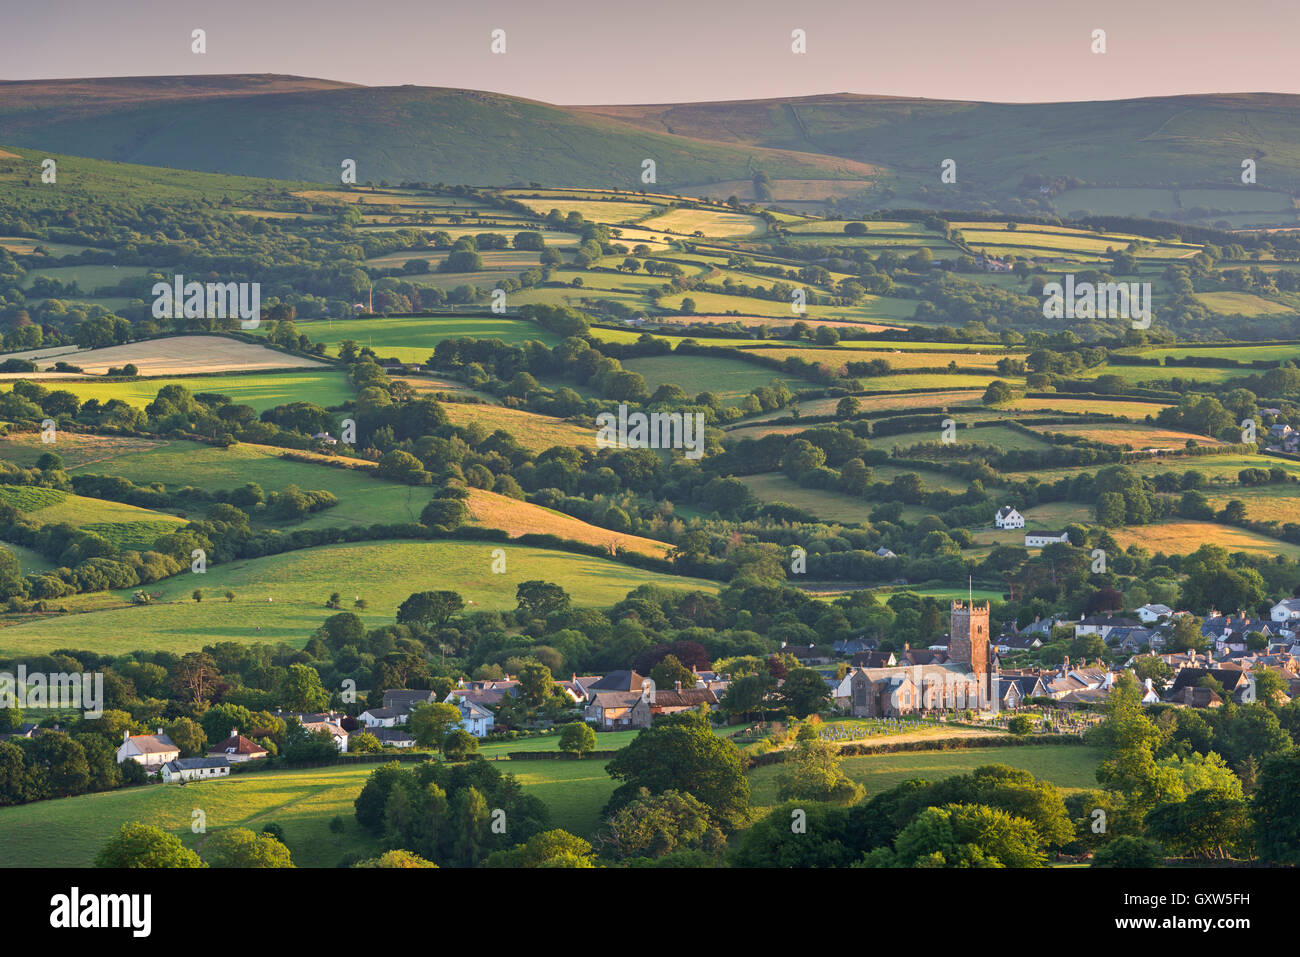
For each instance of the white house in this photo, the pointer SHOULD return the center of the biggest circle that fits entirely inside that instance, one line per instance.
(1008, 517)
(195, 769)
(1287, 610)
(1148, 614)
(474, 718)
(383, 717)
(237, 748)
(150, 750)
(1039, 539)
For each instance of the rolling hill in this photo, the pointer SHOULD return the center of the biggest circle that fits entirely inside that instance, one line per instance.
(1179, 155)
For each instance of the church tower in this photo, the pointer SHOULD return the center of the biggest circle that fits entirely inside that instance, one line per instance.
(968, 642)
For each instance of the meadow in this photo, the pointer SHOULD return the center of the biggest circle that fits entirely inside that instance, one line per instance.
(282, 597)
(260, 390)
(413, 338)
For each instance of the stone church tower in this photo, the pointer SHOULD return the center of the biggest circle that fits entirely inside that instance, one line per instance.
(968, 643)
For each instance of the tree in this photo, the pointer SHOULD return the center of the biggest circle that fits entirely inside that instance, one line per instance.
(1020, 725)
(812, 773)
(535, 683)
(962, 835)
(538, 599)
(998, 393)
(459, 745)
(1276, 798)
(669, 671)
(804, 692)
(431, 609)
(196, 675)
(657, 824)
(397, 859)
(302, 690)
(578, 738)
(429, 723)
(143, 845)
(554, 848)
(682, 753)
(240, 847)
(1128, 850)
(188, 735)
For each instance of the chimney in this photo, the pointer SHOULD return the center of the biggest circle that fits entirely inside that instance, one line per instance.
(234, 732)
(678, 686)
(160, 730)
(126, 736)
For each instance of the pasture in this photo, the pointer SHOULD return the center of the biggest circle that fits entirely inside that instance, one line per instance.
(282, 597)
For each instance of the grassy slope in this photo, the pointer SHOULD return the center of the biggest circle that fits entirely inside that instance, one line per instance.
(282, 597)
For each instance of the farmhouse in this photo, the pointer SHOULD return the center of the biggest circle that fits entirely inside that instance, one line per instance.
(1152, 613)
(619, 710)
(1008, 517)
(237, 748)
(1039, 539)
(195, 769)
(1287, 611)
(474, 718)
(150, 750)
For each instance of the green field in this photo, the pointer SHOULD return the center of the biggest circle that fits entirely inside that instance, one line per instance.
(729, 379)
(262, 391)
(282, 597)
(1066, 766)
(413, 338)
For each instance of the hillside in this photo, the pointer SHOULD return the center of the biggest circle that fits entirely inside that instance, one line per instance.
(1179, 156)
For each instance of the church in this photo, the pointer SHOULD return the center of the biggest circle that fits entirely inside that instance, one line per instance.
(967, 679)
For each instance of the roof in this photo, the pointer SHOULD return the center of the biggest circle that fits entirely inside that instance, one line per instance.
(153, 743)
(195, 764)
(686, 698)
(618, 681)
(385, 712)
(238, 744)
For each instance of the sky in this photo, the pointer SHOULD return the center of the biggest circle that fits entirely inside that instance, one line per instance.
(661, 51)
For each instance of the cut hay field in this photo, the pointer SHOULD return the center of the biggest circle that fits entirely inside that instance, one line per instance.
(532, 430)
(871, 308)
(879, 403)
(1133, 435)
(845, 352)
(713, 224)
(1131, 410)
(187, 355)
(1264, 503)
(1072, 767)
(282, 597)
(1243, 303)
(413, 338)
(24, 448)
(261, 390)
(1000, 435)
(1183, 538)
(729, 379)
(523, 518)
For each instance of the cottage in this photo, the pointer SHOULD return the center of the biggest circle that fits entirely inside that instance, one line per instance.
(1008, 517)
(1286, 612)
(150, 750)
(237, 748)
(474, 718)
(195, 769)
(619, 710)
(1148, 614)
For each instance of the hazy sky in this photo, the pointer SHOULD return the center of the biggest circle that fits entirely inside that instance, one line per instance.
(617, 51)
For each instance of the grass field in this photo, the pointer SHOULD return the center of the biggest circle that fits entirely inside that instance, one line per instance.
(1066, 766)
(282, 597)
(532, 430)
(828, 506)
(126, 526)
(729, 379)
(522, 518)
(413, 338)
(260, 390)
